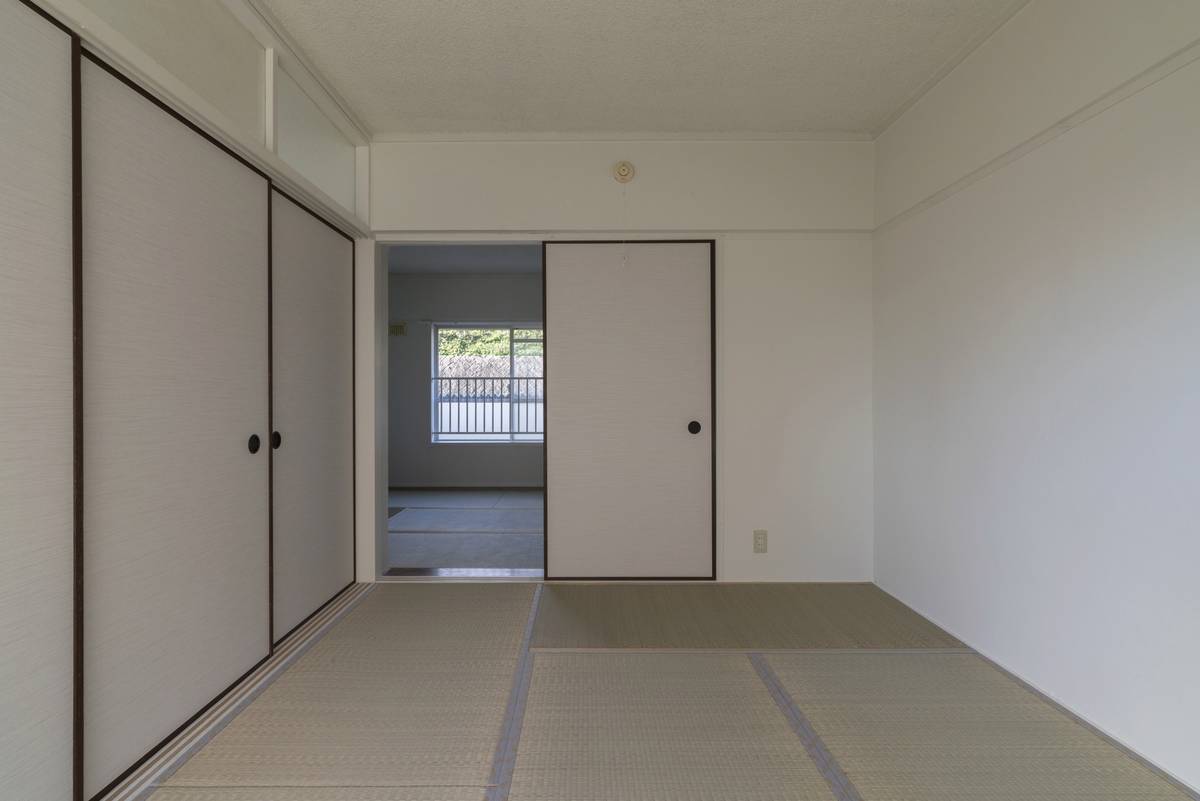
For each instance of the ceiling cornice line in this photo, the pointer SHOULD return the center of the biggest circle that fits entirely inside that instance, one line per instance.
(1176, 61)
(265, 20)
(951, 64)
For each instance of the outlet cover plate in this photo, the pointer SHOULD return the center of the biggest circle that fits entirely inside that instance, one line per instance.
(760, 540)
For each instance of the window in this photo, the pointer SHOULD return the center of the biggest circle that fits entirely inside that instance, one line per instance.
(488, 383)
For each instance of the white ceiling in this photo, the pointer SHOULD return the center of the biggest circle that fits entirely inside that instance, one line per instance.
(726, 67)
(482, 259)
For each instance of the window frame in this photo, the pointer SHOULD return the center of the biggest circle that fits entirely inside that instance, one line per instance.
(497, 438)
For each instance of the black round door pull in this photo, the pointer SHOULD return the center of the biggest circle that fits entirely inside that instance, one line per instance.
(276, 439)
(694, 427)
(253, 443)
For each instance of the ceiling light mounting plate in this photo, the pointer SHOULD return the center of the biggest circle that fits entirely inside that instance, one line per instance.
(623, 172)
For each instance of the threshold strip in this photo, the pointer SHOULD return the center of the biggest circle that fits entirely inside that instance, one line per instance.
(843, 789)
(465, 572)
(144, 781)
(505, 759)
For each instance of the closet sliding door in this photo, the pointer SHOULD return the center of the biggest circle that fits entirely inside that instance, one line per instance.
(175, 283)
(313, 412)
(629, 410)
(36, 417)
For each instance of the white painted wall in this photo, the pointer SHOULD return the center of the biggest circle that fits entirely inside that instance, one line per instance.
(568, 186)
(1036, 376)
(419, 300)
(793, 444)
(370, 409)
(306, 139)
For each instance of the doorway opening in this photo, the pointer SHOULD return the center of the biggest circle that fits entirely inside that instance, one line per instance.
(466, 411)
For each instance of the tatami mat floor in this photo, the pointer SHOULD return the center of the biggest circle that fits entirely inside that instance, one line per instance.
(408, 690)
(657, 725)
(450, 692)
(942, 727)
(738, 616)
(320, 794)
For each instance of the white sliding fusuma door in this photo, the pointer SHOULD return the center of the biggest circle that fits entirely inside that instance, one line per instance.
(312, 323)
(36, 429)
(176, 601)
(629, 418)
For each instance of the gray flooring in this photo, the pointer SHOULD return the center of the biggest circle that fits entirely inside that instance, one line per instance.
(495, 520)
(500, 528)
(466, 499)
(439, 692)
(464, 549)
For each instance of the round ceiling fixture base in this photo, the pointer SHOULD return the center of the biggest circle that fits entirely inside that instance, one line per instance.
(623, 172)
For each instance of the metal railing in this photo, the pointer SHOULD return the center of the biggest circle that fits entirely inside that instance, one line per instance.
(507, 409)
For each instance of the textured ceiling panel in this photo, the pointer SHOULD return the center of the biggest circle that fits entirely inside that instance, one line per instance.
(633, 66)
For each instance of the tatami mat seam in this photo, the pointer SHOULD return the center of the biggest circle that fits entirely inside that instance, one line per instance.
(843, 789)
(681, 650)
(514, 716)
(256, 787)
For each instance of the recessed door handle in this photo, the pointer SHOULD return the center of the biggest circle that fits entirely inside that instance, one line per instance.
(694, 427)
(276, 439)
(253, 444)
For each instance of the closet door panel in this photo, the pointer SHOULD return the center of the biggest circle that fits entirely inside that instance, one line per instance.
(176, 599)
(312, 323)
(36, 417)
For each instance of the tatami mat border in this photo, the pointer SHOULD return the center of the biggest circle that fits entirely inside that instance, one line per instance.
(655, 650)
(142, 782)
(843, 789)
(514, 716)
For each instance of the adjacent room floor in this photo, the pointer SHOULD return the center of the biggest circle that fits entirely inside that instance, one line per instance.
(442, 692)
(465, 533)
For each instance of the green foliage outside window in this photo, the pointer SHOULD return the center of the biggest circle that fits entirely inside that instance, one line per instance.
(473, 342)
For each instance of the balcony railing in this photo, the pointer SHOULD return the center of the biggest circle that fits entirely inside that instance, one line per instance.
(507, 409)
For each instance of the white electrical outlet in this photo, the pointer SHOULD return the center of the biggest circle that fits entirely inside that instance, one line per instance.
(760, 540)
